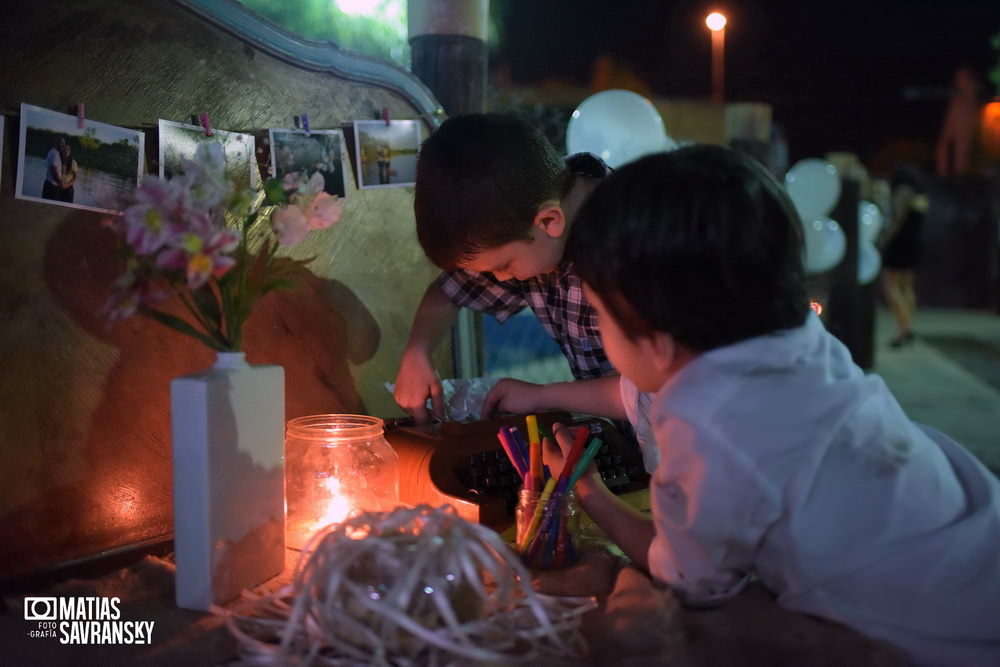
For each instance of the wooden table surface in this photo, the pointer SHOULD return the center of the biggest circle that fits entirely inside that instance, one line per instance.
(636, 623)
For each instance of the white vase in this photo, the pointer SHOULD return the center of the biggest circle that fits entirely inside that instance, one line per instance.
(228, 427)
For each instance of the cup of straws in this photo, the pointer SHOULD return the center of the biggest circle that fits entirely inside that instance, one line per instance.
(547, 512)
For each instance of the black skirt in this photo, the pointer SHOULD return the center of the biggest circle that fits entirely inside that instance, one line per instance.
(905, 248)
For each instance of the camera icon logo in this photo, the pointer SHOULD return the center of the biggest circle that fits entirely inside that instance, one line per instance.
(40, 609)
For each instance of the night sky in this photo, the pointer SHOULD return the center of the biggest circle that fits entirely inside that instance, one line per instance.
(852, 75)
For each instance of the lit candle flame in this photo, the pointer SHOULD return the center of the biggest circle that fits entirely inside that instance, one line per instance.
(338, 507)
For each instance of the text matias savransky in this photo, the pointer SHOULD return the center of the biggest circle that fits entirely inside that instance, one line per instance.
(85, 620)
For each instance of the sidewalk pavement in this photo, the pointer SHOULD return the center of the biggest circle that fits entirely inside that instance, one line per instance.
(949, 377)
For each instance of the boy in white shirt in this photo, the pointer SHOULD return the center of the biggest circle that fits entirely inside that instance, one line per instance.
(779, 457)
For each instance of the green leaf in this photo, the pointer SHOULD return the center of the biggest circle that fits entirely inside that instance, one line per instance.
(276, 284)
(208, 304)
(182, 326)
(275, 192)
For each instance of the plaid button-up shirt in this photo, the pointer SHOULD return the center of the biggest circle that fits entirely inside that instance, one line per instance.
(558, 301)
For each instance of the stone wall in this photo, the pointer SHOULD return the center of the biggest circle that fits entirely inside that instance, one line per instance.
(84, 409)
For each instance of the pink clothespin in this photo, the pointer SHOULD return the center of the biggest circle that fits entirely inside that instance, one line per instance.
(79, 116)
(305, 123)
(385, 115)
(203, 117)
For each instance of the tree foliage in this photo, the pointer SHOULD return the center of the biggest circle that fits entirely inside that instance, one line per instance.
(382, 35)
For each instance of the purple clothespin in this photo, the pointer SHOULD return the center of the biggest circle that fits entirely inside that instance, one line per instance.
(79, 116)
(203, 117)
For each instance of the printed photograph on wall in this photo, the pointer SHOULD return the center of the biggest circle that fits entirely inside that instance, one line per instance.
(386, 153)
(179, 141)
(299, 157)
(93, 167)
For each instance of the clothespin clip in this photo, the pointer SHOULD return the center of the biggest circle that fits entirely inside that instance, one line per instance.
(203, 117)
(79, 116)
(305, 123)
(385, 115)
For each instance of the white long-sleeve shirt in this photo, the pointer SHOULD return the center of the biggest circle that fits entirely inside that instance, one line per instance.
(780, 457)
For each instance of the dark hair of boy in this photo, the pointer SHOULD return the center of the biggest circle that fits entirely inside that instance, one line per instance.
(481, 179)
(701, 243)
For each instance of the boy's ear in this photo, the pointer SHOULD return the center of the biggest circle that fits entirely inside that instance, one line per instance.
(663, 352)
(551, 219)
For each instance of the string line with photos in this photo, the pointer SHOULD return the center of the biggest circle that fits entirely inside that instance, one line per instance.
(382, 157)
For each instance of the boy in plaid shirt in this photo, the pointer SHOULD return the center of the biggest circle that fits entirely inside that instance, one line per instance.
(494, 205)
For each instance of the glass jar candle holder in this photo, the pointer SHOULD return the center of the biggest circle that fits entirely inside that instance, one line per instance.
(547, 535)
(336, 466)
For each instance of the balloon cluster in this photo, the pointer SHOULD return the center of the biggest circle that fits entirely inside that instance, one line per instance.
(617, 125)
(814, 188)
(621, 126)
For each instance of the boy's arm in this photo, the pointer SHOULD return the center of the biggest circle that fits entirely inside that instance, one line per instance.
(599, 396)
(627, 527)
(55, 169)
(631, 530)
(417, 378)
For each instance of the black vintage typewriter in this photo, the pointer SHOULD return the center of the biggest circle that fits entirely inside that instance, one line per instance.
(464, 465)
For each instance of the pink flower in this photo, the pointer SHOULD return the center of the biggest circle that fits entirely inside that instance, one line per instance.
(324, 211)
(200, 257)
(205, 177)
(150, 222)
(290, 224)
(128, 295)
(306, 212)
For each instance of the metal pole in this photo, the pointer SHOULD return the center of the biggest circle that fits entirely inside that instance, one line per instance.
(449, 54)
(718, 64)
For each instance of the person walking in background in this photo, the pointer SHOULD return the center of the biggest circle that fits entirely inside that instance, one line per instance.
(901, 247)
(960, 130)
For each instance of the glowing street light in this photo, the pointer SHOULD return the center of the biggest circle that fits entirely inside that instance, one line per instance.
(716, 22)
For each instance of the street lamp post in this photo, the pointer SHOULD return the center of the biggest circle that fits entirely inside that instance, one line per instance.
(716, 22)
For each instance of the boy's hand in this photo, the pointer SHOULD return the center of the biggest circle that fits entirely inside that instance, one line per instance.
(554, 453)
(509, 395)
(416, 381)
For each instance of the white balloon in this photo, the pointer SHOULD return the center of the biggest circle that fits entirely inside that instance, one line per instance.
(869, 263)
(814, 187)
(825, 245)
(617, 125)
(869, 221)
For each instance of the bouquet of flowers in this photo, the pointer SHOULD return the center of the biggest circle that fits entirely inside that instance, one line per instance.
(213, 246)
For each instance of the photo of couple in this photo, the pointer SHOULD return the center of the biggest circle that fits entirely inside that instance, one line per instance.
(92, 167)
(60, 172)
(387, 153)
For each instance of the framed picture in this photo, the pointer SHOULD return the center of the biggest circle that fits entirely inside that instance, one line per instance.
(178, 142)
(304, 155)
(93, 167)
(386, 154)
